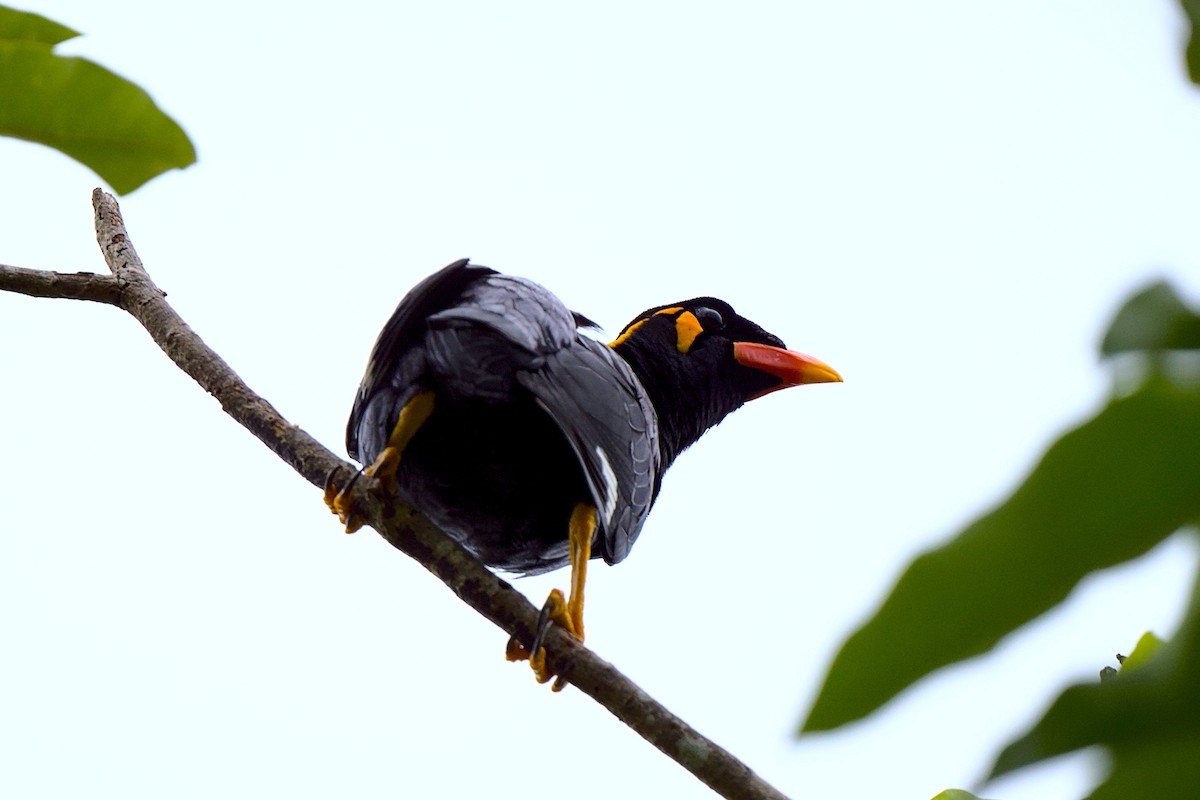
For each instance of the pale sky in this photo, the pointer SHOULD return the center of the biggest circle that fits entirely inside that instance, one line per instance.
(944, 200)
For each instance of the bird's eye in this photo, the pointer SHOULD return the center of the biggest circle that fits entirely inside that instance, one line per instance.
(709, 318)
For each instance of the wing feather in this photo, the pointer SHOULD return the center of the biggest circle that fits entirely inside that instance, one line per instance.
(480, 334)
(604, 412)
(397, 360)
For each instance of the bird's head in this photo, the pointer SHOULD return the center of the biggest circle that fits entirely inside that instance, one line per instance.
(699, 360)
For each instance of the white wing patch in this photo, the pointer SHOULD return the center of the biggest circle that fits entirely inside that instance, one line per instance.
(610, 486)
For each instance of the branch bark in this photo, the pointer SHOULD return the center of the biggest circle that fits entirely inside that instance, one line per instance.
(73, 285)
(131, 288)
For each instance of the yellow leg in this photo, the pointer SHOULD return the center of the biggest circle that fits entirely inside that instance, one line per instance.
(583, 528)
(557, 609)
(414, 414)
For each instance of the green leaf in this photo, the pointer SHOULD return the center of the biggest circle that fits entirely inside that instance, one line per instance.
(1106, 492)
(1192, 9)
(80, 108)
(956, 794)
(1146, 646)
(1119, 709)
(30, 27)
(1155, 318)
(1148, 716)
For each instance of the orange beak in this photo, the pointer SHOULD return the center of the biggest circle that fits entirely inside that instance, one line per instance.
(792, 368)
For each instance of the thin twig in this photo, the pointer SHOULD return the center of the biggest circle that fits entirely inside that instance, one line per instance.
(131, 288)
(74, 285)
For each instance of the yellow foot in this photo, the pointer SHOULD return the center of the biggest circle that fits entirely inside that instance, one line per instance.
(554, 611)
(414, 414)
(341, 502)
(557, 609)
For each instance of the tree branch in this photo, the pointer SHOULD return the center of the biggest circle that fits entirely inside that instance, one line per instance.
(73, 285)
(131, 288)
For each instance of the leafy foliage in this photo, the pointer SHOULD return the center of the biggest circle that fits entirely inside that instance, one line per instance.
(1104, 493)
(1148, 715)
(80, 108)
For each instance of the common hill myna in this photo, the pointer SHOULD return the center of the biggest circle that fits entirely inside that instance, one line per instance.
(535, 446)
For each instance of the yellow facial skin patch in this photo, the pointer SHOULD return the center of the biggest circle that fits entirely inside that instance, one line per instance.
(687, 328)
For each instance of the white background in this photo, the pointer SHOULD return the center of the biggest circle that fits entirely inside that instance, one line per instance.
(944, 200)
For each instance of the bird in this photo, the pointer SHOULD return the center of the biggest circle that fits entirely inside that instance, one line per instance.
(487, 407)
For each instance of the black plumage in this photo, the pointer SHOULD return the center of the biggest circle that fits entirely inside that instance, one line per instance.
(485, 408)
(532, 417)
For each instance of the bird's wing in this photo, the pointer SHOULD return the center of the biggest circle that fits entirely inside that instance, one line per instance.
(484, 335)
(508, 330)
(604, 412)
(528, 319)
(397, 360)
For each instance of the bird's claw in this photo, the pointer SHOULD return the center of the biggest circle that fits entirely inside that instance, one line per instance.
(341, 502)
(554, 611)
(515, 651)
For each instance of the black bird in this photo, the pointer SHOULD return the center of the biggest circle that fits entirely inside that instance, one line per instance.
(533, 445)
